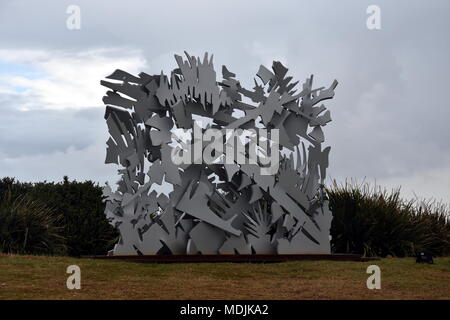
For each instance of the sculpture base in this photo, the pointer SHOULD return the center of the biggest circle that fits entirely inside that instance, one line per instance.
(246, 258)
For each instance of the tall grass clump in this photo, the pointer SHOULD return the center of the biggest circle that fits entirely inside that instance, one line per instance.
(373, 221)
(28, 226)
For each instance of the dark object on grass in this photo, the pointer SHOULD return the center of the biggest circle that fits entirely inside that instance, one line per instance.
(424, 257)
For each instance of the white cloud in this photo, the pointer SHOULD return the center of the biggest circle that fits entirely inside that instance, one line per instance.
(69, 80)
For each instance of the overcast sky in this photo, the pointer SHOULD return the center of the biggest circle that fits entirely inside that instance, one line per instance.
(390, 112)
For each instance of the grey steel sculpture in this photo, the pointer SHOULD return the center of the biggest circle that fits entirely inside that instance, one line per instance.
(216, 208)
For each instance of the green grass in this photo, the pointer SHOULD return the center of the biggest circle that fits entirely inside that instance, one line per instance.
(40, 277)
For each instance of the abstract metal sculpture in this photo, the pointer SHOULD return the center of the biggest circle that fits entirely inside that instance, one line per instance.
(217, 206)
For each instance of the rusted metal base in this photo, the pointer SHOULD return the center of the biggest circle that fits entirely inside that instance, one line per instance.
(246, 258)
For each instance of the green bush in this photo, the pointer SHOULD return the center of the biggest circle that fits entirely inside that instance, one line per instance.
(366, 220)
(374, 222)
(28, 226)
(435, 222)
(83, 223)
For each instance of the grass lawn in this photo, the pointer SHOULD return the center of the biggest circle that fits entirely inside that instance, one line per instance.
(38, 277)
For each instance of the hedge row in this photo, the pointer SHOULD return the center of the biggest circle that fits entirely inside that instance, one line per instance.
(75, 212)
(67, 218)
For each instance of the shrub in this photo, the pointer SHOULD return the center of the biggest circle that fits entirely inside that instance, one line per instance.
(28, 226)
(83, 223)
(367, 220)
(435, 222)
(374, 222)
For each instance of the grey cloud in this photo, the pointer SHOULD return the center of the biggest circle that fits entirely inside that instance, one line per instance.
(34, 132)
(390, 113)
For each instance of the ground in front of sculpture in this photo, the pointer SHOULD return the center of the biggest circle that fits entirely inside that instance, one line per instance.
(254, 198)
